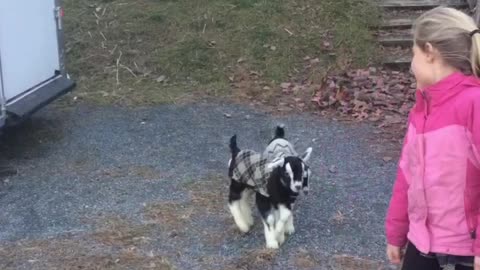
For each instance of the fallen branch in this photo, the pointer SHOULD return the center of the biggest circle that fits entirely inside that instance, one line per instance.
(118, 64)
(288, 31)
(113, 50)
(131, 72)
(103, 36)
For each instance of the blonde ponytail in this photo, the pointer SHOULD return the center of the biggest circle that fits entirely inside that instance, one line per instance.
(475, 54)
(453, 33)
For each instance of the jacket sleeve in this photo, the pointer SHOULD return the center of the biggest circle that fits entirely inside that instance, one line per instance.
(397, 222)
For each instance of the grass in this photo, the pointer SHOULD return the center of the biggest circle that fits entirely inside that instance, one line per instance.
(163, 51)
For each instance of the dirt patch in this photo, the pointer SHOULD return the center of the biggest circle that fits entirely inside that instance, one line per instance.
(208, 194)
(170, 215)
(253, 260)
(145, 172)
(305, 260)
(347, 262)
(205, 199)
(117, 243)
(75, 253)
(118, 231)
(338, 218)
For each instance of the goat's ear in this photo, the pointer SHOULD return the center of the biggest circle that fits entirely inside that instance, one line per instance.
(278, 162)
(306, 156)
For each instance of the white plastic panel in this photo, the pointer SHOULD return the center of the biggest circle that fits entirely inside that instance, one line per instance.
(28, 44)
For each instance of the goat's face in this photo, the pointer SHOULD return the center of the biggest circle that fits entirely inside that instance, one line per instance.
(294, 171)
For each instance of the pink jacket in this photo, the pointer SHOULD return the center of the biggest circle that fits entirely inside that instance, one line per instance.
(436, 196)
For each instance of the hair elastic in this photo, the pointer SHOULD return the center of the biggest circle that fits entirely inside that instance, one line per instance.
(476, 31)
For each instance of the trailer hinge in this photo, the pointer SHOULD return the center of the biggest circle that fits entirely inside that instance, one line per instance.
(58, 16)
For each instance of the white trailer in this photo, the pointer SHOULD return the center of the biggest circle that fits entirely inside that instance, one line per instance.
(32, 57)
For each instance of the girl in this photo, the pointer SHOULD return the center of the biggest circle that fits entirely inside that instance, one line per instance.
(436, 196)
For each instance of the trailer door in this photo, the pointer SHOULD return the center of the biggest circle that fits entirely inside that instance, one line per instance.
(28, 44)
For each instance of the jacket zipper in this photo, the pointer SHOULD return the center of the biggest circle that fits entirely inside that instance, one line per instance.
(426, 112)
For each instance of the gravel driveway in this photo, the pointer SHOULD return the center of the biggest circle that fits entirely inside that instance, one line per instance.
(117, 188)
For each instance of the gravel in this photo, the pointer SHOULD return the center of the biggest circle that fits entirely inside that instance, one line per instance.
(76, 165)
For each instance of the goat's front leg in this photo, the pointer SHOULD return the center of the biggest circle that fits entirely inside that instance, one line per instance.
(283, 217)
(269, 220)
(290, 229)
(270, 233)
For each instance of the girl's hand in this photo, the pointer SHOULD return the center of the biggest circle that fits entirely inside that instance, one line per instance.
(476, 264)
(395, 255)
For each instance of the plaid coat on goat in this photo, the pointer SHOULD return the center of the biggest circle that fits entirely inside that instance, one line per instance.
(250, 168)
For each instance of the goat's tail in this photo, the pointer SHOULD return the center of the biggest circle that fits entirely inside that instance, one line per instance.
(280, 132)
(233, 145)
(234, 150)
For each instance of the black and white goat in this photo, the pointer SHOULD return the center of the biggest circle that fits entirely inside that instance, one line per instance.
(276, 181)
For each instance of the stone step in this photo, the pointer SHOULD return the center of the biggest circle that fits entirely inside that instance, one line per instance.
(421, 3)
(398, 23)
(396, 56)
(404, 40)
(402, 61)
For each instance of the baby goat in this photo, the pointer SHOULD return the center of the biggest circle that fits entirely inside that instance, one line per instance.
(276, 181)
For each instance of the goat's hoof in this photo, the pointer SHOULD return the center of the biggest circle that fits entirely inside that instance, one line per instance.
(290, 231)
(250, 222)
(273, 245)
(281, 238)
(244, 228)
